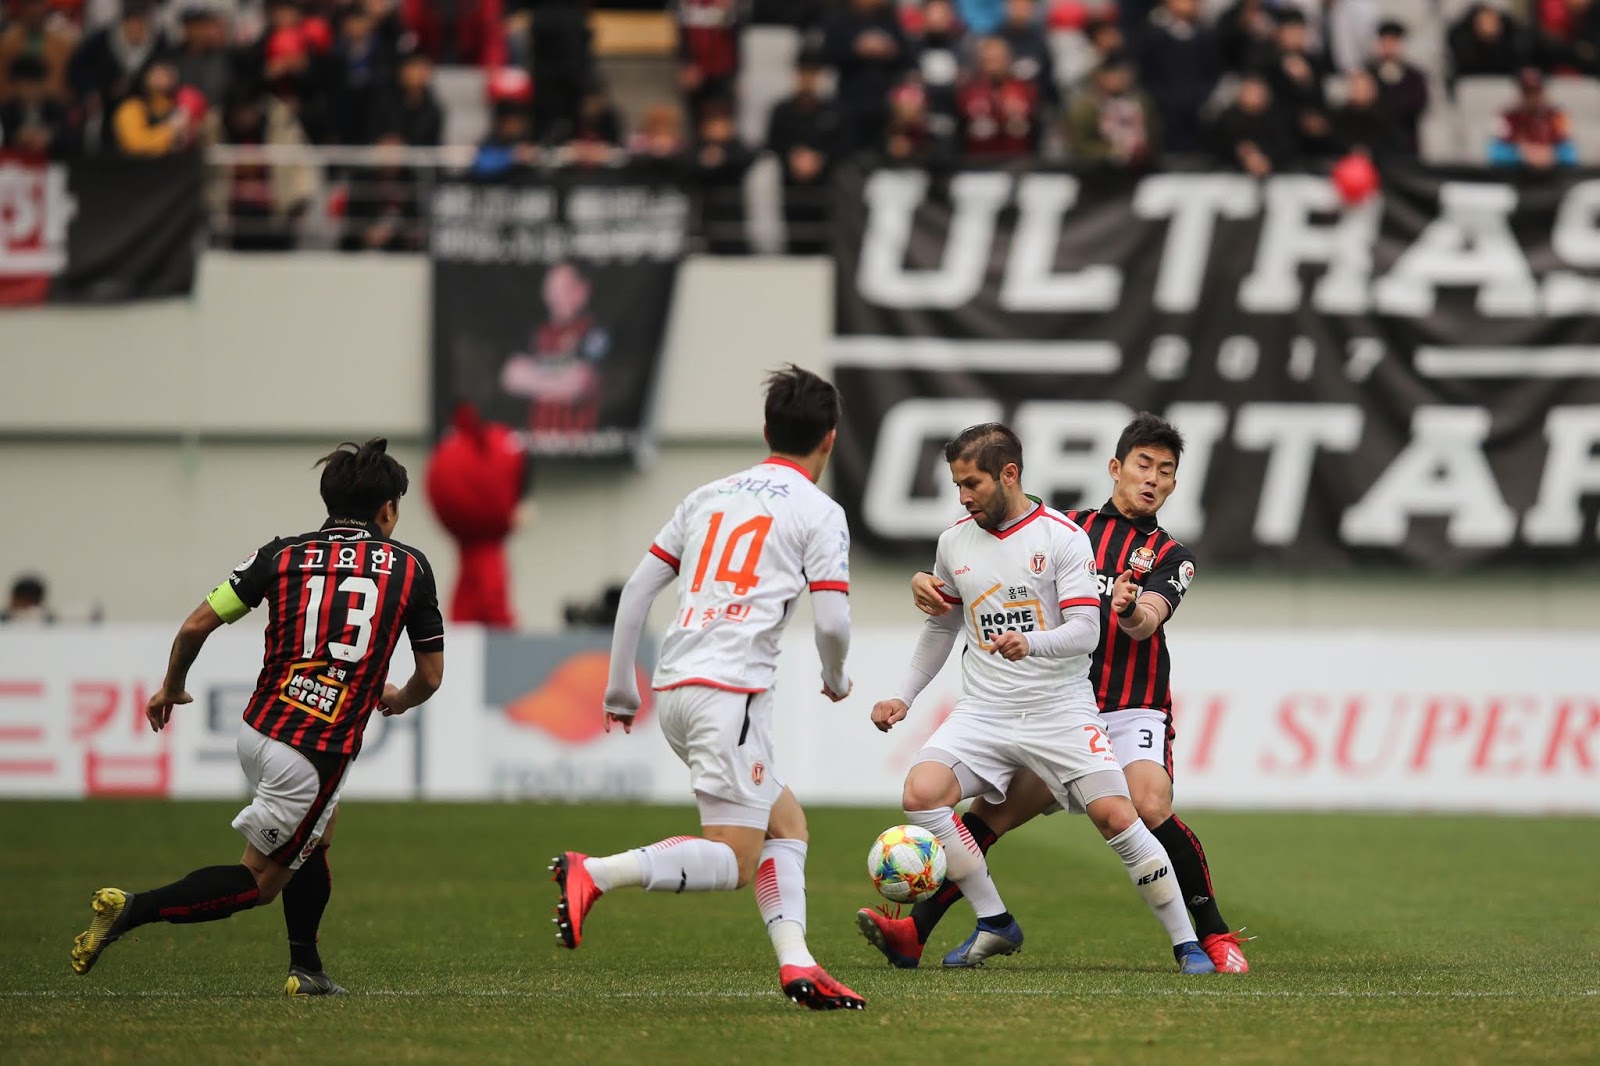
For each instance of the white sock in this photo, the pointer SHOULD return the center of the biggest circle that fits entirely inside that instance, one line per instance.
(781, 895)
(689, 864)
(622, 870)
(964, 860)
(1152, 874)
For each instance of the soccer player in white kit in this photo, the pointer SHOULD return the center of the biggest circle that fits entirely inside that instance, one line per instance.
(743, 549)
(1023, 579)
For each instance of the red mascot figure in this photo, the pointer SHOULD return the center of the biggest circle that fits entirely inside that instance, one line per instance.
(475, 482)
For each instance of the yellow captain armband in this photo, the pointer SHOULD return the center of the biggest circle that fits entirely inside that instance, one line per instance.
(227, 604)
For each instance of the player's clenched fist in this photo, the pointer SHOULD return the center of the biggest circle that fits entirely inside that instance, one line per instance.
(1123, 592)
(1011, 645)
(885, 713)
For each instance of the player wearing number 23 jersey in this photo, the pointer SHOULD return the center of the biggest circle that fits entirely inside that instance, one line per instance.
(742, 550)
(337, 600)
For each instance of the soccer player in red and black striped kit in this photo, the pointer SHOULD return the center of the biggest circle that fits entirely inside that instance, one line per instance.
(337, 598)
(1130, 671)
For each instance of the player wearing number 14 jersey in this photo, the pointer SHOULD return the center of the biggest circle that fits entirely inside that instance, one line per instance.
(742, 549)
(337, 600)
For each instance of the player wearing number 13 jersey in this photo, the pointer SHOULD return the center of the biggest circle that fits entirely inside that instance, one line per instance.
(337, 600)
(743, 549)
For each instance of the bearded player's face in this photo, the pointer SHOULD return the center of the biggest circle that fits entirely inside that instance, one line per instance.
(982, 494)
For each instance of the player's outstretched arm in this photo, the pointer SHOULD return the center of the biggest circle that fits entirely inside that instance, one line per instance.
(830, 612)
(419, 689)
(933, 649)
(1138, 613)
(201, 623)
(633, 608)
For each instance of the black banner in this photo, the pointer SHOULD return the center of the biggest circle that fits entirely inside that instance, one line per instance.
(1415, 379)
(98, 230)
(550, 303)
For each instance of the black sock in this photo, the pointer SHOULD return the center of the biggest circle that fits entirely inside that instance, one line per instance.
(305, 897)
(206, 895)
(927, 914)
(1194, 875)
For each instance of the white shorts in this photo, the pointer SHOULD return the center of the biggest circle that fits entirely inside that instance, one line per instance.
(725, 739)
(295, 794)
(1060, 745)
(1141, 736)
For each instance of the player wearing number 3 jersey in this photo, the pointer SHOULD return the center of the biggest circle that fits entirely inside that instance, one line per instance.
(742, 549)
(337, 598)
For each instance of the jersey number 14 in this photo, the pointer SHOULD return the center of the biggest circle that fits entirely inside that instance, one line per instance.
(751, 535)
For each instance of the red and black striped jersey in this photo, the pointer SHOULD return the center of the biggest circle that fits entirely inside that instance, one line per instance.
(1127, 673)
(337, 600)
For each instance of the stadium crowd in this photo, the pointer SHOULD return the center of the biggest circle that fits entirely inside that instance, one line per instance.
(1260, 85)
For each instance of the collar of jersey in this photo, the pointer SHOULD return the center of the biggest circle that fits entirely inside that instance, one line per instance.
(348, 523)
(1147, 524)
(775, 460)
(1002, 534)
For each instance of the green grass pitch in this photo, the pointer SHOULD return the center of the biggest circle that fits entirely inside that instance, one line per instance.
(1382, 939)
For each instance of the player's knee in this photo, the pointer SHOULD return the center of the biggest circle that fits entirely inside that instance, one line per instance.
(1153, 809)
(1114, 816)
(928, 787)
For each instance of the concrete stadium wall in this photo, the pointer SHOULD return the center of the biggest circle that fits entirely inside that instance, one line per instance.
(144, 450)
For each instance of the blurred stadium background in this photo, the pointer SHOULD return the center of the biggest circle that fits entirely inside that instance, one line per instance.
(1351, 247)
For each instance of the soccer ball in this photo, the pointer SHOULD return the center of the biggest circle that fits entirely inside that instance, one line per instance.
(906, 864)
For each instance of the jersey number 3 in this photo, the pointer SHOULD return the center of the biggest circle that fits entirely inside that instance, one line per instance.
(742, 575)
(358, 613)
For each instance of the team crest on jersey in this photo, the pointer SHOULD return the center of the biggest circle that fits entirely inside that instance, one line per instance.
(1142, 560)
(1185, 575)
(758, 774)
(1037, 563)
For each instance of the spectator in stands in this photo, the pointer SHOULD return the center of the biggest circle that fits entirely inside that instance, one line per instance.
(1569, 36)
(982, 17)
(204, 62)
(708, 49)
(1179, 66)
(1253, 133)
(660, 134)
(1486, 42)
(1402, 86)
(32, 120)
(508, 144)
(1112, 122)
(1106, 39)
(908, 137)
(31, 32)
(1295, 78)
(865, 45)
(1534, 133)
(597, 135)
(151, 122)
(561, 61)
(1360, 124)
(720, 162)
(939, 52)
(110, 64)
(382, 213)
(411, 108)
(803, 133)
(262, 203)
(356, 76)
(1031, 58)
(998, 112)
(27, 605)
(1247, 34)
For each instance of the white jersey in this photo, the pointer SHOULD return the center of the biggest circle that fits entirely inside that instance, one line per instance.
(745, 547)
(1021, 578)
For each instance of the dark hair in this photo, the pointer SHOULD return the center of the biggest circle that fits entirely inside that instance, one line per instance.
(1148, 431)
(28, 587)
(28, 68)
(989, 445)
(358, 479)
(801, 409)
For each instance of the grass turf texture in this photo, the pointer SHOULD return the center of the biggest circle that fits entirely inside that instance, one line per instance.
(1383, 939)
